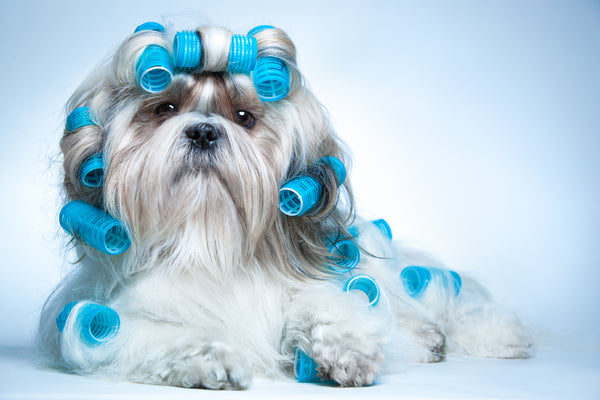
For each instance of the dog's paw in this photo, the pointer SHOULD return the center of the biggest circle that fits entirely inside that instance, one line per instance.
(432, 342)
(211, 366)
(347, 359)
(492, 332)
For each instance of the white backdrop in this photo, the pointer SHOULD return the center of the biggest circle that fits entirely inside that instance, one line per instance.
(474, 125)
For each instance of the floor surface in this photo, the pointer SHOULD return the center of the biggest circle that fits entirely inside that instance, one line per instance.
(551, 374)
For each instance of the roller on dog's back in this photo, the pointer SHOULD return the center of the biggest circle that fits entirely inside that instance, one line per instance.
(208, 200)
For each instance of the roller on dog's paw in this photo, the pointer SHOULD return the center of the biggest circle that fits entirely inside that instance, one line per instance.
(349, 367)
(347, 359)
(212, 366)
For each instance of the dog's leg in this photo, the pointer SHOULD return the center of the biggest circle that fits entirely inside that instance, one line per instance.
(162, 353)
(478, 327)
(338, 330)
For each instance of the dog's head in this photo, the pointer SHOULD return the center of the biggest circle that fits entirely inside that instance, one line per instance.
(194, 170)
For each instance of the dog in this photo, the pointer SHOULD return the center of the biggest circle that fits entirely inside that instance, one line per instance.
(217, 283)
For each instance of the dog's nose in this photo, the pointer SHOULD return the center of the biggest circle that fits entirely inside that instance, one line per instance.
(203, 135)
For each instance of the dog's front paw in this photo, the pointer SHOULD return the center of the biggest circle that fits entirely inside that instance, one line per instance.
(211, 366)
(347, 359)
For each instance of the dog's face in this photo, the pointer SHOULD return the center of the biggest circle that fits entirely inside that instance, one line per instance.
(194, 170)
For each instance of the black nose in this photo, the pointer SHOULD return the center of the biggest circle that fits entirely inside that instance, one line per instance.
(203, 135)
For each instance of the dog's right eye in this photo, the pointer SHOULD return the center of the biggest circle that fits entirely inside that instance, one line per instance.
(165, 109)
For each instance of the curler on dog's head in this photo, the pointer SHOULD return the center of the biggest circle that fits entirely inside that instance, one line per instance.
(259, 28)
(301, 194)
(94, 227)
(154, 69)
(149, 26)
(95, 323)
(91, 172)
(271, 76)
(271, 79)
(416, 280)
(78, 118)
(242, 54)
(187, 50)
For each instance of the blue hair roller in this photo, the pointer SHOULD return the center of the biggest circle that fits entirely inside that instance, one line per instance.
(259, 28)
(271, 79)
(337, 165)
(417, 279)
(242, 54)
(365, 284)
(154, 69)
(305, 369)
(271, 76)
(78, 118)
(301, 194)
(98, 324)
(149, 26)
(91, 172)
(94, 227)
(348, 255)
(187, 50)
(383, 226)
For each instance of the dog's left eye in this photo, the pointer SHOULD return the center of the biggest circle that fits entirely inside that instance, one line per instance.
(244, 118)
(165, 109)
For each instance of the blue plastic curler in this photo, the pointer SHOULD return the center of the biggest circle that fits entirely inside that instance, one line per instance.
(337, 165)
(187, 50)
(301, 194)
(365, 284)
(98, 323)
(271, 79)
(383, 226)
(242, 54)
(259, 28)
(154, 69)
(305, 369)
(416, 280)
(94, 227)
(150, 26)
(348, 255)
(78, 118)
(91, 172)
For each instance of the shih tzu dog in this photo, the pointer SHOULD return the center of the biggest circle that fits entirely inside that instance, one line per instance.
(216, 238)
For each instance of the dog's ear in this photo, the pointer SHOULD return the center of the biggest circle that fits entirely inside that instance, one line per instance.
(78, 144)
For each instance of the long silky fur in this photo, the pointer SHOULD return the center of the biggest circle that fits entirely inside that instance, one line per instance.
(217, 282)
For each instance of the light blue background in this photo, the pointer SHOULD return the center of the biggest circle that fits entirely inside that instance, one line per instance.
(474, 125)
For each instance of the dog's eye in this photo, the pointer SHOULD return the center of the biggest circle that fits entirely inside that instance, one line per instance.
(165, 109)
(244, 118)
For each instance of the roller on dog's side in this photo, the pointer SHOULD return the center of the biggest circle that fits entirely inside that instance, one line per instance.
(210, 207)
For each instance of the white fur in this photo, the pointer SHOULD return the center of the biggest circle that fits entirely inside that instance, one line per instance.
(218, 285)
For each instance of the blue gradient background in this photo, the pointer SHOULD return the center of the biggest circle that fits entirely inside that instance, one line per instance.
(474, 126)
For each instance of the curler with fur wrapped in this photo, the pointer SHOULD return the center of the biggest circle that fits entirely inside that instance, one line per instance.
(302, 194)
(94, 227)
(154, 67)
(416, 280)
(187, 52)
(91, 172)
(95, 323)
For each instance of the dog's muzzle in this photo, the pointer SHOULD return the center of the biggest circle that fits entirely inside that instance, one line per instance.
(204, 135)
